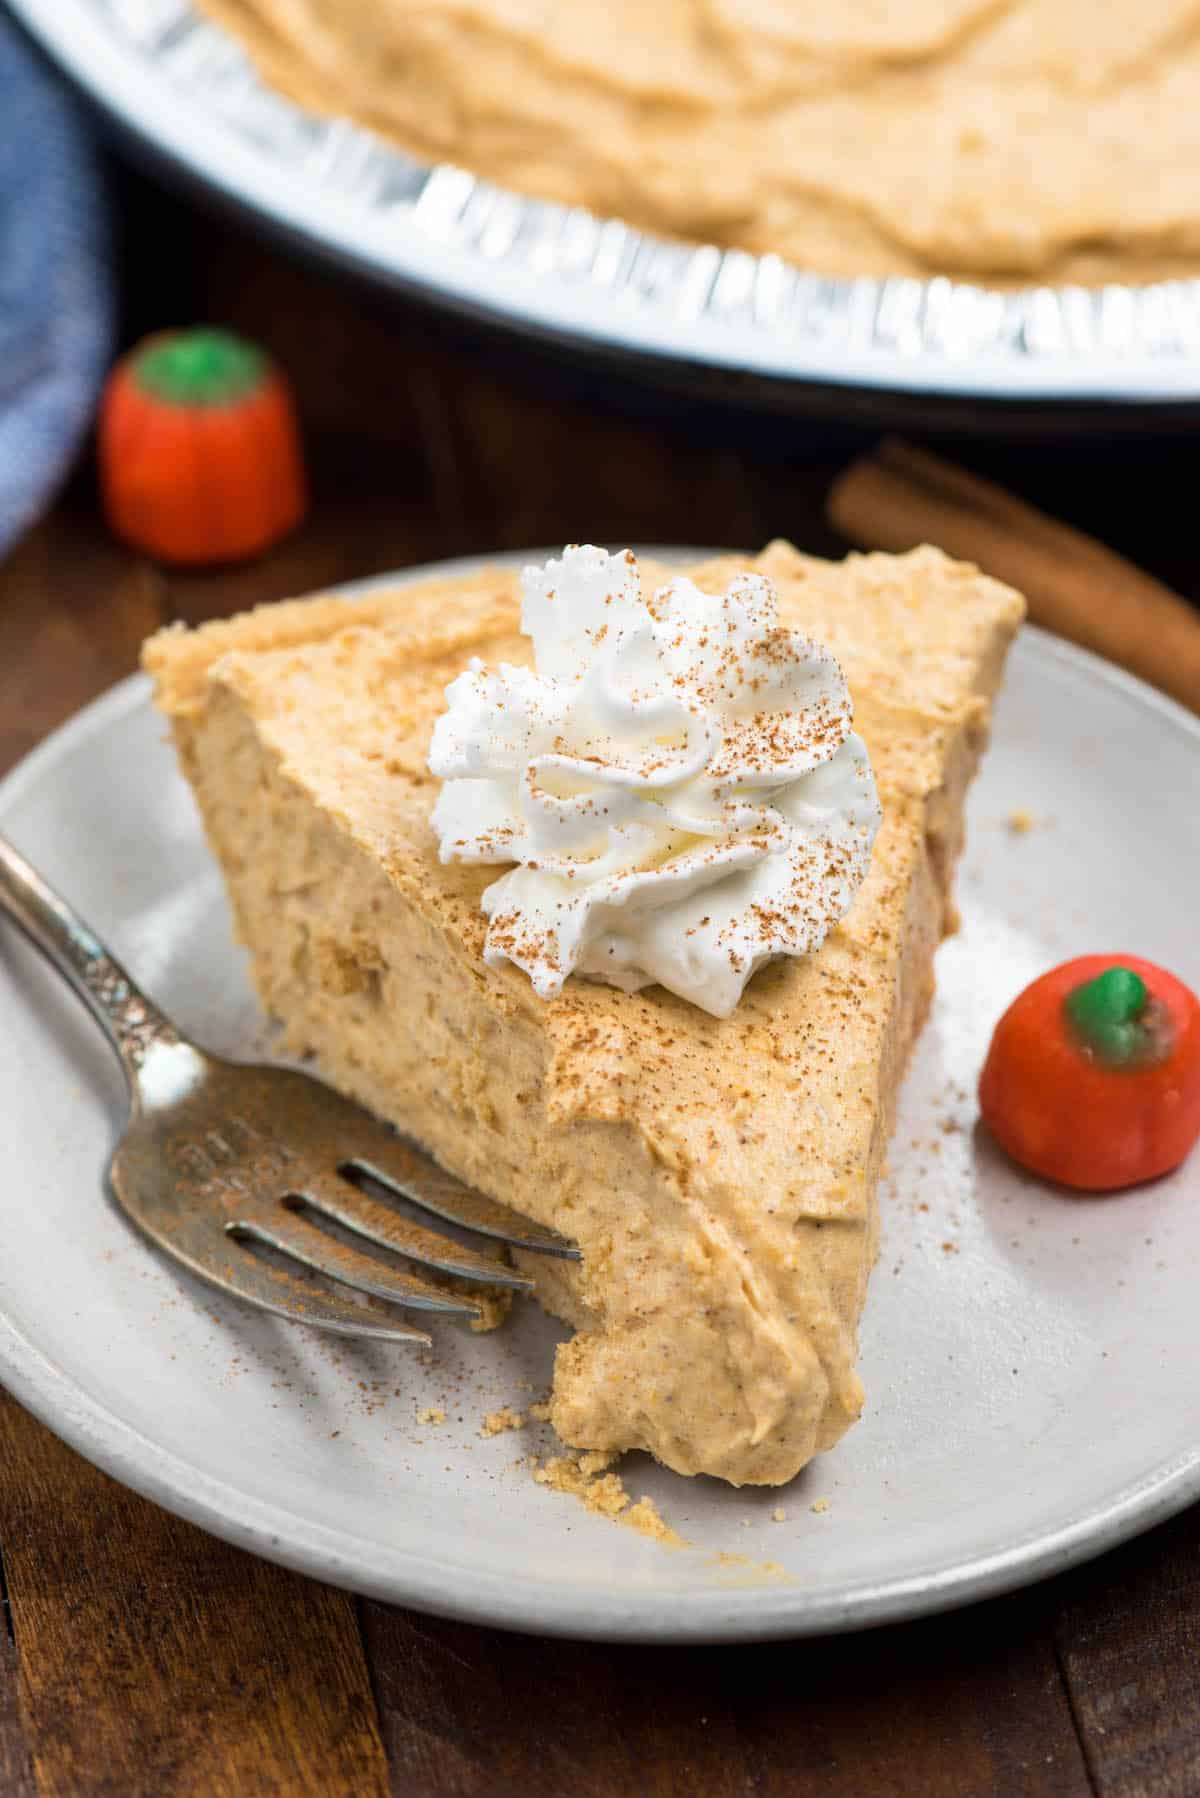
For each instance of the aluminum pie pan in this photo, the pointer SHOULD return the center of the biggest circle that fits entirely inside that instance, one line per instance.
(186, 88)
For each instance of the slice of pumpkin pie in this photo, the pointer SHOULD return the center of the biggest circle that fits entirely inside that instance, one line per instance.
(646, 956)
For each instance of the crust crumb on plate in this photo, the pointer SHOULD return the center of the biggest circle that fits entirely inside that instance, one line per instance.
(587, 1478)
(496, 1422)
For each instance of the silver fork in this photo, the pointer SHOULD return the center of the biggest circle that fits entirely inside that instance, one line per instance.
(222, 1160)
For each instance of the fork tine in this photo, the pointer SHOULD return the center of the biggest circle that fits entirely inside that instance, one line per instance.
(355, 1209)
(245, 1277)
(280, 1228)
(395, 1163)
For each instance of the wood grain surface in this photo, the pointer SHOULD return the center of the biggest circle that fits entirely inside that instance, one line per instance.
(166, 1661)
(144, 1657)
(929, 1710)
(16, 1771)
(1128, 1635)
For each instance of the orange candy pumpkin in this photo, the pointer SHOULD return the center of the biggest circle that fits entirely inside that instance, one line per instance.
(200, 457)
(1093, 1075)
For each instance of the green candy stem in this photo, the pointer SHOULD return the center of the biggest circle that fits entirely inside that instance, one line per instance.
(203, 367)
(1115, 1020)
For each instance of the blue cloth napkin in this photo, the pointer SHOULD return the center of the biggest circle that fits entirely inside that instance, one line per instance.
(57, 288)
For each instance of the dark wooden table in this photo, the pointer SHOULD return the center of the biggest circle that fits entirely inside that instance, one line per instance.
(143, 1657)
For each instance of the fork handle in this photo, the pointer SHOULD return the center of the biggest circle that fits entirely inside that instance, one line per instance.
(131, 1023)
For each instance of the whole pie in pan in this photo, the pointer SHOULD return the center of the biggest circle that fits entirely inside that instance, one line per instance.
(1004, 141)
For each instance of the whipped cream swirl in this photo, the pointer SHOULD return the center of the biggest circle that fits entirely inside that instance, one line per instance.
(676, 779)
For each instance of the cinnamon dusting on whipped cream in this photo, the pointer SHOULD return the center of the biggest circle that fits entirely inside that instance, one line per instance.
(677, 782)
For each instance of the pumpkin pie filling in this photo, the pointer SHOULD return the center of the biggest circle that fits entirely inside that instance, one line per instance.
(1003, 141)
(718, 1173)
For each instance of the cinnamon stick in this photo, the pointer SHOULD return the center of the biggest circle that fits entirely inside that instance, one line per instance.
(898, 497)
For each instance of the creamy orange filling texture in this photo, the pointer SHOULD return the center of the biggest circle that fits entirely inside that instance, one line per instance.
(718, 1174)
(1004, 140)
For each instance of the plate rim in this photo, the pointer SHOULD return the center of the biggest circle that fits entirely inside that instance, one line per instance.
(400, 1575)
(1102, 348)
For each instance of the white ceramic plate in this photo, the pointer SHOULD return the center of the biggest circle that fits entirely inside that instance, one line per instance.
(1030, 1361)
(185, 89)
